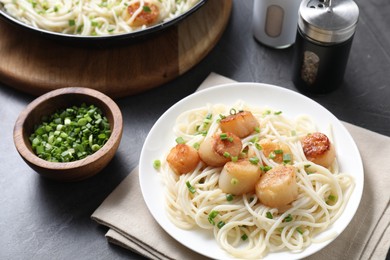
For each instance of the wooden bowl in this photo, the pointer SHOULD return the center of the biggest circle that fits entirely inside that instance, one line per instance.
(48, 104)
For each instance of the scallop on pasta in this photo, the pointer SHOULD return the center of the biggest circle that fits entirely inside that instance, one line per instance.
(95, 17)
(259, 181)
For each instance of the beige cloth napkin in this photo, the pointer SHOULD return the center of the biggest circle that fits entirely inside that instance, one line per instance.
(366, 237)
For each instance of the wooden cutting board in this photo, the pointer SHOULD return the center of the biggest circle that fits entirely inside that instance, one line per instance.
(36, 65)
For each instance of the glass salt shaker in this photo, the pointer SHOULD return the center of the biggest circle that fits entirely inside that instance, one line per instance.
(275, 22)
(323, 42)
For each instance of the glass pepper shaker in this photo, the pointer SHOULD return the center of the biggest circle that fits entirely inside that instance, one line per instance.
(323, 42)
(275, 22)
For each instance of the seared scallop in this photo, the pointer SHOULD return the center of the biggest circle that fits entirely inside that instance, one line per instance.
(239, 177)
(278, 187)
(318, 149)
(218, 149)
(241, 124)
(183, 158)
(275, 150)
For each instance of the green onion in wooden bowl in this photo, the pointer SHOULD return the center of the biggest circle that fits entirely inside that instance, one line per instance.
(69, 134)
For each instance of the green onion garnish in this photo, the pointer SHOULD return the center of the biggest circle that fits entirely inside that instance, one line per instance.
(265, 168)
(244, 237)
(190, 187)
(221, 224)
(332, 198)
(196, 146)
(229, 197)
(234, 181)
(288, 218)
(156, 164)
(223, 136)
(147, 9)
(212, 215)
(269, 215)
(286, 158)
(70, 134)
(254, 160)
(180, 140)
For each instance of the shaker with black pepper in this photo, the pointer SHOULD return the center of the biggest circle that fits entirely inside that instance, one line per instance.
(323, 42)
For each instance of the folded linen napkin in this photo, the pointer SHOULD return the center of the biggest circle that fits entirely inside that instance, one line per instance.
(366, 237)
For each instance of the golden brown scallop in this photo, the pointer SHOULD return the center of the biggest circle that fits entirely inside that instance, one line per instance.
(219, 148)
(241, 124)
(148, 14)
(183, 158)
(275, 150)
(278, 187)
(239, 177)
(318, 149)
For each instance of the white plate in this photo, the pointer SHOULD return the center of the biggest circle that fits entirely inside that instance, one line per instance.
(161, 138)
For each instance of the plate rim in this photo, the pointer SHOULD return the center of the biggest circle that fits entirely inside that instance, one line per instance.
(358, 191)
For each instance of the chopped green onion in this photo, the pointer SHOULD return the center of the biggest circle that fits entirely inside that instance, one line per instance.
(254, 160)
(265, 168)
(180, 140)
(288, 218)
(278, 113)
(234, 158)
(299, 230)
(226, 154)
(233, 111)
(234, 181)
(254, 140)
(279, 151)
(212, 215)
(223, 136)
(147, 9)
(286, 158)
(229, 197)
(332, 198)
(156, 164)
(190, 187)
(221, 224)
(70, 134)
(244, 237)
(196, 146)
(257, 129)
(272, 155)
(269, 215)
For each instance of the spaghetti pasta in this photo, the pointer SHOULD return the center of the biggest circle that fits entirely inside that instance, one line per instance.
(95, 17)
(241, 224)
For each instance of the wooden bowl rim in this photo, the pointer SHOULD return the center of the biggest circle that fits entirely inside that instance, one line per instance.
(31, 157)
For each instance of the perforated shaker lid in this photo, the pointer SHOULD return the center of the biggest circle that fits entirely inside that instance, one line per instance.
(328, 21)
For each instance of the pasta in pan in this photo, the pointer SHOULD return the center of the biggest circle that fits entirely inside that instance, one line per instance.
(95, 17)
(250, 224)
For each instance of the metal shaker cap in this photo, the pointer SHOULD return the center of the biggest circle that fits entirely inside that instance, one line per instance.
(328, 21)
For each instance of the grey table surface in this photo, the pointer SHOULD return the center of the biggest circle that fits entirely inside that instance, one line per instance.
(41, 219)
